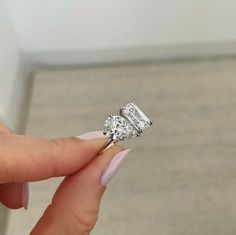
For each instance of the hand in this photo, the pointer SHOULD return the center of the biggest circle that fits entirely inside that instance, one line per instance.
(75, 205)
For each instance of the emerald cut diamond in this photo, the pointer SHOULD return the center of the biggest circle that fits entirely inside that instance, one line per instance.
(136, 116)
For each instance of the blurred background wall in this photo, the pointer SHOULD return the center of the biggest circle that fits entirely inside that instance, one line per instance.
(93, 25)
(78, 32)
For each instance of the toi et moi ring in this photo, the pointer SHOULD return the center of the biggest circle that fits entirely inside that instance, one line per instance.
(131, 123)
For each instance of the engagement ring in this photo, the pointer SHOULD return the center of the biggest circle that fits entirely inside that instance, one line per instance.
(129, 124)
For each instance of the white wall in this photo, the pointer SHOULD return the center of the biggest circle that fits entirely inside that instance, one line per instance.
(9, 68)
(54, 25)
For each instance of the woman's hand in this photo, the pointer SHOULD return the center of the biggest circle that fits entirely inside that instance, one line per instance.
(75, 205)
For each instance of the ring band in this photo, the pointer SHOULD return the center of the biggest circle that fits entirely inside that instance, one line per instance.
(109, 143)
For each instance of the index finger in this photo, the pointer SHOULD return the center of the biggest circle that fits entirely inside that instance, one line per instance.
(24, 158)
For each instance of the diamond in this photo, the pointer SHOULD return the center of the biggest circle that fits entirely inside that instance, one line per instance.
(118, 128)
(136, 116)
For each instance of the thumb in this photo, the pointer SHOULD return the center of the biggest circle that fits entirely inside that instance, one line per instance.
(75, 206)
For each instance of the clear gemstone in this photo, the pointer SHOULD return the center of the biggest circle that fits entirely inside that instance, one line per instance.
(136, 116)
(118, 128)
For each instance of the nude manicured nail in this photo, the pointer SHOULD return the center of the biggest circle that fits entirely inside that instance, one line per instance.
(92, 135)
(25, 195)
(113, 166)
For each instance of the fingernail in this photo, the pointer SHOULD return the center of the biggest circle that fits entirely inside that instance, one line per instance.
(113, 166)
(92, 135)
(25, 195)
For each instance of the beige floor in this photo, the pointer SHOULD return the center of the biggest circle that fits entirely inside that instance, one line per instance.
(180, 178)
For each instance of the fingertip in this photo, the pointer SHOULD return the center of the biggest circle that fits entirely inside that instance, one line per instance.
(113, 166)
(92, 173)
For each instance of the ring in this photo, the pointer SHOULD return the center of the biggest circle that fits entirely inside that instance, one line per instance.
(131, 123)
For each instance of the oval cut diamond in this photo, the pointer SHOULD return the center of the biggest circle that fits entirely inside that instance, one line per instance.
(118, 128)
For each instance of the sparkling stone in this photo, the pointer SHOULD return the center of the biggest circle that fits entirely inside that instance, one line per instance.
(136, 116)
(118, 128)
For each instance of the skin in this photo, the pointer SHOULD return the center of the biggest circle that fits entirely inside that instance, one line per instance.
(75, 206)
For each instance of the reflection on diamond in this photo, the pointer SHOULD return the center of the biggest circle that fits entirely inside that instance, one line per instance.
(118, 128)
